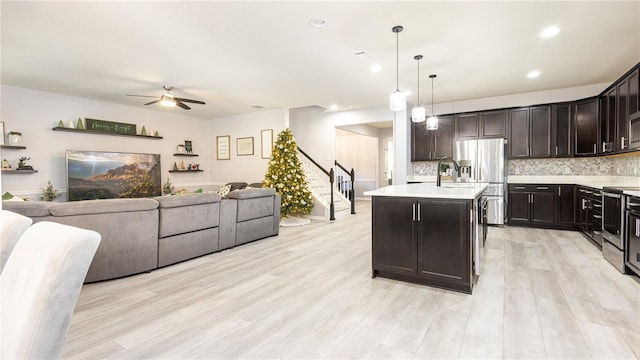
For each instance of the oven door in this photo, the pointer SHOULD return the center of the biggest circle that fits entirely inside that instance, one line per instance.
(613, 219)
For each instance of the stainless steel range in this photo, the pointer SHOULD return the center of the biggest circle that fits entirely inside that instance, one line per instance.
(614, 225)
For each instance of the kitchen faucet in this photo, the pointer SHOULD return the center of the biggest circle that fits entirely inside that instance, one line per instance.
(455, 165)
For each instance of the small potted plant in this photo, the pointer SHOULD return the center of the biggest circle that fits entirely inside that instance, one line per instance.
(49, 193)
(168, 188)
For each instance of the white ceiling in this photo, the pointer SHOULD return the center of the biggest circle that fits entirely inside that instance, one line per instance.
(235, 54)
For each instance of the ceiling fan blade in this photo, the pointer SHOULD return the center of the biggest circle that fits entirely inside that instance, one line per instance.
(142, 96)
(152, 102)
(191, 101)
(184, 106)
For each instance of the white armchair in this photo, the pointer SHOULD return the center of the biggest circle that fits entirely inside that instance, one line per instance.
(12, 226)
(39, 288)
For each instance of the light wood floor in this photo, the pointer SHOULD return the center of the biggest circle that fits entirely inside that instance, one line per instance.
(308, 293)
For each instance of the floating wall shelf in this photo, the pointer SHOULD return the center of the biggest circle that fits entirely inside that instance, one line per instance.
(15, 147)
(105, 133)
(21, 172)
(180, 154)
(185, 171)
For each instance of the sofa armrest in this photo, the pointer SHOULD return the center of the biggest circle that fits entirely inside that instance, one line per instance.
(250, 193)
(102, 206)
(29, 208)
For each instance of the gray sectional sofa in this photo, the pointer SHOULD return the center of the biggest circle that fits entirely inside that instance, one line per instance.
(140, 235)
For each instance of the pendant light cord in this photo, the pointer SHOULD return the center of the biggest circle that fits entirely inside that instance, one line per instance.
(397, 62)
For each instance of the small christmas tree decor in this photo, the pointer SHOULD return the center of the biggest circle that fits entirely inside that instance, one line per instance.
(49, 193)
(286, 175)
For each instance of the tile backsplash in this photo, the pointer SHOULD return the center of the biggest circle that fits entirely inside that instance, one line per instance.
(620, 166)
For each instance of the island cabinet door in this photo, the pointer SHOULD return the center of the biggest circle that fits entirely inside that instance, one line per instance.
(444, 243)
(394, 243)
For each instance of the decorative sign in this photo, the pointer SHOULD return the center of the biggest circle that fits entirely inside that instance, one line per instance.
(222, 147)
(110, 126)
(244, 146)
(188, 146)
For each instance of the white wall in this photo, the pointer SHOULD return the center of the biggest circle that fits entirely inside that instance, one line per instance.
(244, 168)
(35, 113)
(359, 152)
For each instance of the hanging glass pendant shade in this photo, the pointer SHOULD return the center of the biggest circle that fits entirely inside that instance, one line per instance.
(418, 113)
(397, 99)
(432, 121)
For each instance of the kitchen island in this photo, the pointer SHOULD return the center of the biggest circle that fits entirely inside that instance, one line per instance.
(426, 234)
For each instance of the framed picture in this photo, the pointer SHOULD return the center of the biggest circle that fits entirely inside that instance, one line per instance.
(2, 132)
(266, 142)
(244, 146)
(188, 146)
(222, 147)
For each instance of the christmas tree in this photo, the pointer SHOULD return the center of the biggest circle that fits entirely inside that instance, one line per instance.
(285, 174)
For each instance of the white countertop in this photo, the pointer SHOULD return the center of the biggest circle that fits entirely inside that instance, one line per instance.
(597, 182)
(430, 190)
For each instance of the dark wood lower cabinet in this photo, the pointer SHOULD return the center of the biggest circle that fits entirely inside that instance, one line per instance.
(565, 206)
(531, 204)
(426, 241)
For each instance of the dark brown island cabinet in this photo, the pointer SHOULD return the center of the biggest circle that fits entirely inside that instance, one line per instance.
(425, 240)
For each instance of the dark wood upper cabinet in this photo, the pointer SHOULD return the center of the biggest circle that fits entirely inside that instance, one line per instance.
(519, 133)
(540, 131)
(586, 124)
(420, 142)
(622, 121)
(432, 144)
(467, 126)
(442, 139)
(561, 130)
(607, 132)
(633, 109)
(493, 124)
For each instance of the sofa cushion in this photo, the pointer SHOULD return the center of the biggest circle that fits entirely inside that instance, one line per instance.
(188, 218)
(29, 208)
(251, 193)
(86, 207)
(237, 185)
(187, 199)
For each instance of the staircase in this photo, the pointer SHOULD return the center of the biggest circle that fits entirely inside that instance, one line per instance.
(329, 202)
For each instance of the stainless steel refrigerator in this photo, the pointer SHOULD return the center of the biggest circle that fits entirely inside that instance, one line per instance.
(486, 162)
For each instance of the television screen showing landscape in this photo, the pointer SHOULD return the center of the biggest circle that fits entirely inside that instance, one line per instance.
(108, 175)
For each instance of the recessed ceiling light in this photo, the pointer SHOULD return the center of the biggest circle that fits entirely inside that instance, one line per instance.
(533, 74)
(376, 68)
(550, 31)
(333, 107)
(318, 22)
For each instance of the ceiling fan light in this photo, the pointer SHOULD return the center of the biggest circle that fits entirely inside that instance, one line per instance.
(167, 100)
(418, 114)
(432, 123)
(397, 101)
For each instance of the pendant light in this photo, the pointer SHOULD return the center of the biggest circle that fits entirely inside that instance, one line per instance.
(432, 121)
(418, 113)
(397, 99)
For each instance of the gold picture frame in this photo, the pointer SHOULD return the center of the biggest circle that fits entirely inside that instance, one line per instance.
(223, 147)
(244, 146)
(266, 143)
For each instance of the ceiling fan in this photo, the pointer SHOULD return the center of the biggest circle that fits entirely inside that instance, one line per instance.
(168, 100)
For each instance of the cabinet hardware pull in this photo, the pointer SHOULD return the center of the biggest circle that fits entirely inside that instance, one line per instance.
(583, 207)
(622, 139)
(559, 191)
(413, 211)
(633, 204)
(543, 188)
(637, 227)
(556, 151)
(596, 205)
(604, 146)
(597, 216)
(595, 149)
(419, 211)
(519, 188)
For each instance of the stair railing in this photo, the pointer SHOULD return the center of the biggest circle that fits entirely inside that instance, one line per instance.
(345, 181)
(330, 174)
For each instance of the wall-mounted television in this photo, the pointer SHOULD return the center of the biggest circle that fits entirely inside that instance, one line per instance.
(107, 175)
